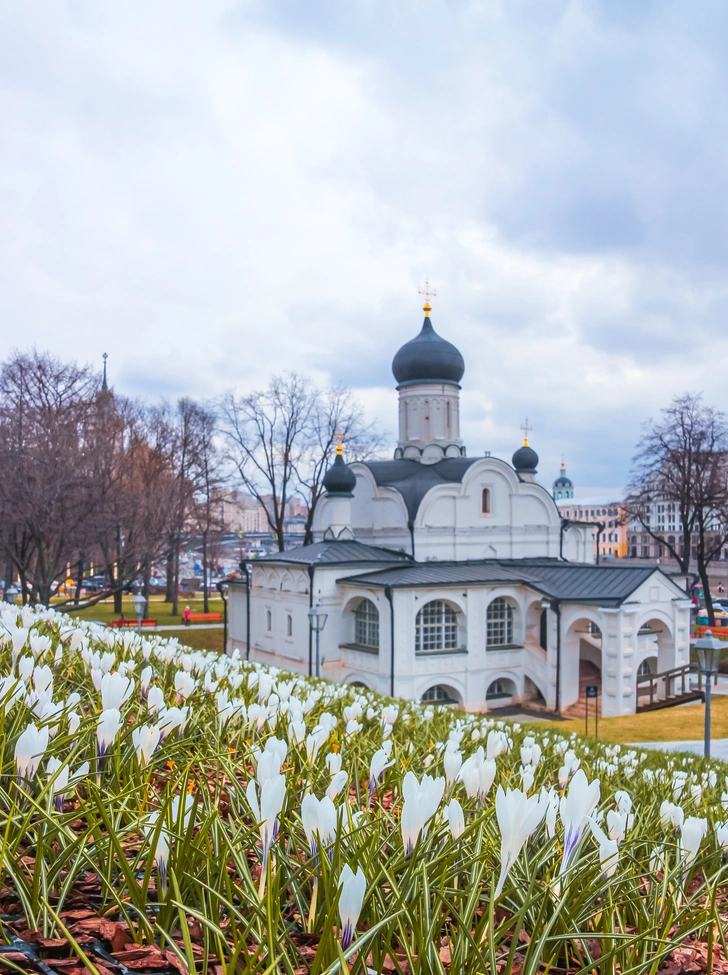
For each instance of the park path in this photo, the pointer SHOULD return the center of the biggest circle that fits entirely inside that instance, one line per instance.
(718, 747)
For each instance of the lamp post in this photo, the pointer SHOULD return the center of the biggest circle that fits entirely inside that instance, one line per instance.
(708, 650)
(317, 617)
(221, 589)
(139, 602)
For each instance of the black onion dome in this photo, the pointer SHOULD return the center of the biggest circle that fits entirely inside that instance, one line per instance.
(525, 460)
(339, 478)
(428, 358)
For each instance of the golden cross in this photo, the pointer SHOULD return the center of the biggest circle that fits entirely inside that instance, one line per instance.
(427, 291)
(526, 429)
(338, 436)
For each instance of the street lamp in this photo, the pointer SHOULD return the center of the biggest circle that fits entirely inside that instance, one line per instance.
(708, 650)
(317, 617)
(139, 602)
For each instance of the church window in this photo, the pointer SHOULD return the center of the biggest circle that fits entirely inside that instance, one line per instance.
(366, 624)
(543, 638)
(436, 628)
(289, 625)
(485, 501)
(268, 621)
(439, 694)
(500, 623)
(448, 418)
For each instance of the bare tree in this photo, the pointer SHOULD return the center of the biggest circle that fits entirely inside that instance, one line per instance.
(681, 460)
(266, 436)
(208, 502)
(282, 439)
(335, 414)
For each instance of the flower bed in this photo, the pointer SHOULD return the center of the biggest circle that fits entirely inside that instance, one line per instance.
(172, 810)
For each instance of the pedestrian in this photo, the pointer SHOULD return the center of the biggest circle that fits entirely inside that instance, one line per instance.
(186, 616)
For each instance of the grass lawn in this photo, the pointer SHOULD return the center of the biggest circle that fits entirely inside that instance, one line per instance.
(158, 609)
(671, 724)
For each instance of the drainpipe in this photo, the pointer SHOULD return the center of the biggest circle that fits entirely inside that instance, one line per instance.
(311, 570)
(411, 526)
(564, 524)
(388, 596)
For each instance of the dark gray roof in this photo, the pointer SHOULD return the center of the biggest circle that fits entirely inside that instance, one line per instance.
(607, 585)
(413, 480)
(334, 553)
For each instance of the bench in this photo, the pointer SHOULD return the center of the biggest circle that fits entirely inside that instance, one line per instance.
(205, 617)
(118, 623)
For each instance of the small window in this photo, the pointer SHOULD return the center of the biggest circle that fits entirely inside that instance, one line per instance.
(485, 501)
(644, 669)
(289, 625)
(543, 636)
(268, 621)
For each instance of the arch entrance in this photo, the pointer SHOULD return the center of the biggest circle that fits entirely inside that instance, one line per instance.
(581, 666)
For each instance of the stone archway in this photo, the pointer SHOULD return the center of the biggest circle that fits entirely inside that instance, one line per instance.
(581, 665)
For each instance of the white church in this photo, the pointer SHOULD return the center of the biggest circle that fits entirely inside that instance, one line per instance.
(454, 579)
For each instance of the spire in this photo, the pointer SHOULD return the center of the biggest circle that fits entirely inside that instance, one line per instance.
(563, 466)
(428, 292)
(104, 384)
(526, 429)
(339, 437)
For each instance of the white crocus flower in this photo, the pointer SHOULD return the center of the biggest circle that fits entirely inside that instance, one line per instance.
(106, 731)
(453, 760)
(12, 690)
(353, 888)
(691, 836)
(155, 699)
(25, 668)
(171, 718)
(319, 820)
(115, 691)
(184, 684)
(608, 849)
(145, 679)
(379, 762)
(272, 797)
(575, 809)
(721, 834)
(333, 762)
(338, 782)
(518, 816)
(145, 740)
(552, 799)
(421, 800)
(617, 825)
(29, 751)
(455, 818)
(671, 815)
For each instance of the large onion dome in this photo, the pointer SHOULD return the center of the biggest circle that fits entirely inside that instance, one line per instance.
(525, 459)
(428, 358)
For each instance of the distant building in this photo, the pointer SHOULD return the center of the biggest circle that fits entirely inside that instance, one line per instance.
(562, 488)
(663, 518)
(612, 541)
(244, 513)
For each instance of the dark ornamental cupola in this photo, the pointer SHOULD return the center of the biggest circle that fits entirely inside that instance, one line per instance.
(428, 370)
(525, 459)
(339, 480)
(563, 488)
(428, 358)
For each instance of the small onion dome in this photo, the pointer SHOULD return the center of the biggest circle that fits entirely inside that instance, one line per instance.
(428, 358)
(339, 479)
(525, 459)
(562, 481)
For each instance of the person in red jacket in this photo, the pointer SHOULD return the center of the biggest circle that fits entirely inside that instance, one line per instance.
(186, 616)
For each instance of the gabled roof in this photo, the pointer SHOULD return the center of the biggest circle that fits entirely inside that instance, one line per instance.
(334, 552)
(606, 585)
(413, 480)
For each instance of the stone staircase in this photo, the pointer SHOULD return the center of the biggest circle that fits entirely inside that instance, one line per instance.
(589, 673)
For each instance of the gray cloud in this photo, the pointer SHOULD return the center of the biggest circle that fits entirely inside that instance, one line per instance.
(216, 192)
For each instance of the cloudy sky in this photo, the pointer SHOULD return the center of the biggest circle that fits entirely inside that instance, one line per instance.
(215, 191)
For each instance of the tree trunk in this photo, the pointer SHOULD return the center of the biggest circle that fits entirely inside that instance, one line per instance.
(169, 590)
(205, 594)
(703, 573)
(175, 583)
(79, 581)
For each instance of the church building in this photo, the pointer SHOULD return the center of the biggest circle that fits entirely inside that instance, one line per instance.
(450, 578)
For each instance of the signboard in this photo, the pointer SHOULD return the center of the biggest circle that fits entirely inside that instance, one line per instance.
(592, 690)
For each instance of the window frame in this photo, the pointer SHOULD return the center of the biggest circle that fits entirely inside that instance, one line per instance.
(366, 624)
(436, 628)
(503, 622)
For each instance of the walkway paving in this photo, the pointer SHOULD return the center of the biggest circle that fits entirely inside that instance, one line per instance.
(718, 747)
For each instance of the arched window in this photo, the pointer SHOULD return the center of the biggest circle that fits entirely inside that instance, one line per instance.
(543, 636)
(485, 501)
(644, 669)
(439, 694)
(500, 688)
(366, 624)
(436, 628)
(289, 625)
(500, 623)
(268, 621)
